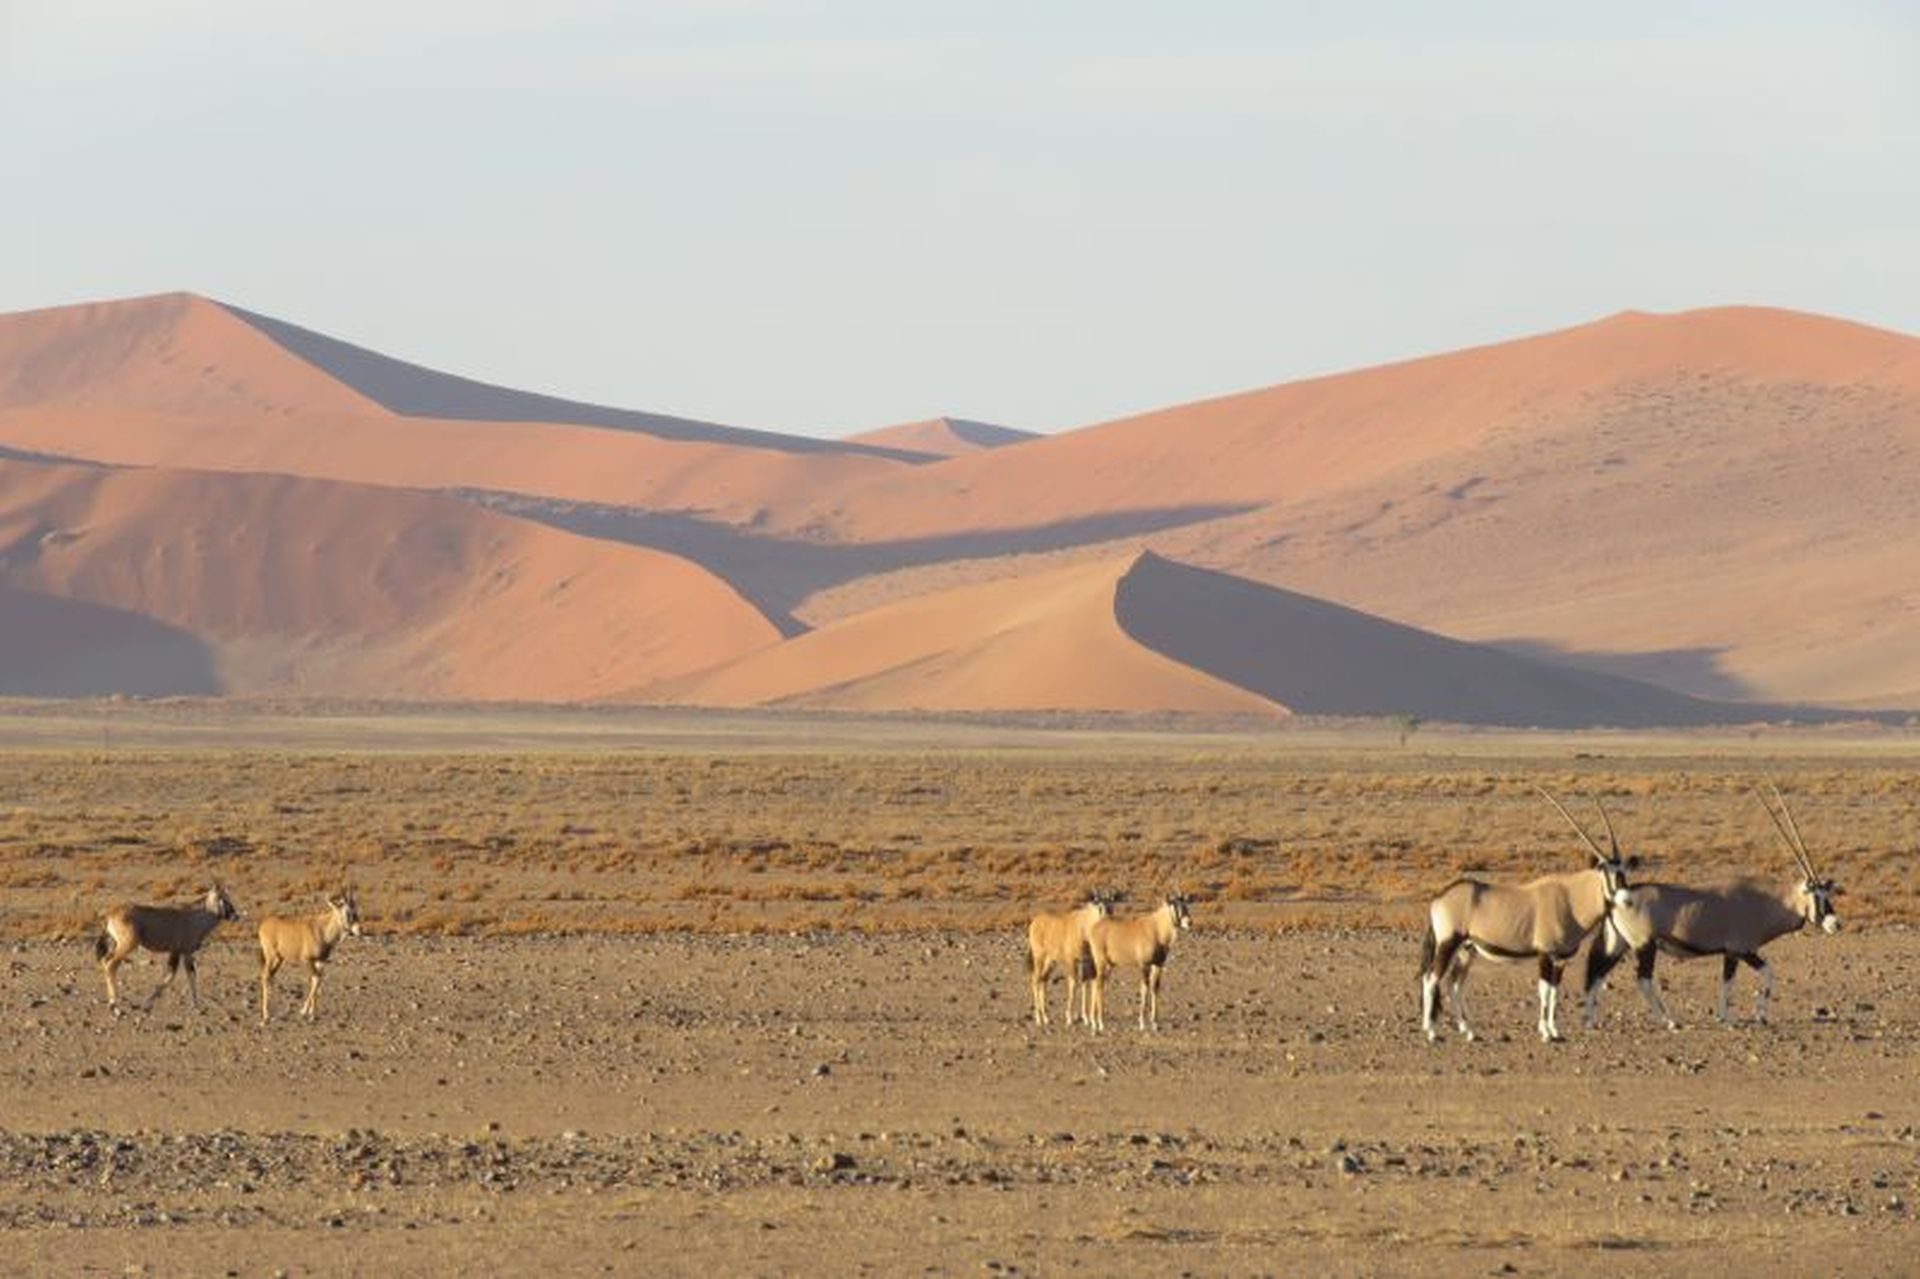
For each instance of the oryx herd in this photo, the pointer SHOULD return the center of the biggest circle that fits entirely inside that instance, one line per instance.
(1544, 921)
(178, 932)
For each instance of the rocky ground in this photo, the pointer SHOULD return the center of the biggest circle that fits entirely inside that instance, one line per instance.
(842, 1105)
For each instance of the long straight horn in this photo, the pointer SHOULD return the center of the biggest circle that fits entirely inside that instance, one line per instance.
(1799, 857)
(1578, 829)
(1806, 858)
(1612, 839)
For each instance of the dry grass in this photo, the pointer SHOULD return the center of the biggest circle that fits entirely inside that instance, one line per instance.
(1274, 834)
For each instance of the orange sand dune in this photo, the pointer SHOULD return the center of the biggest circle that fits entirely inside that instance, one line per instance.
(1141, 633)
(320, 588)
(1718, 501)
(1303, 440)
(944, 436)
(1045, 642)
(180, 381)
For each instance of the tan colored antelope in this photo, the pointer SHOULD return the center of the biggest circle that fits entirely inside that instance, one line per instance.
(306, 939)
(1143, 942)
(174, 931)
(1732, 921)
(1061, 940)
(1544, 921)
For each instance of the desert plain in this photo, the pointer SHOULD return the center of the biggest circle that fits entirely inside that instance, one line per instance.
(680, 992)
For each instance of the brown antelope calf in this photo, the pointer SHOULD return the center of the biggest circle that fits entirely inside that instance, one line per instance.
(307, 939)
(174, 931)
(1142, 942)
(1061, 939)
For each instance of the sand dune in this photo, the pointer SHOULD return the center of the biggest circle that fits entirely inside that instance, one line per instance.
(944, 436)
(1303, 440)
(1049, 642)
(319, 588)
(1715, 501)
(1141, 633)
(180, 381)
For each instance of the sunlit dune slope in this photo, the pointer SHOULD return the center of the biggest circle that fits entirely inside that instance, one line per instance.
(312, 587)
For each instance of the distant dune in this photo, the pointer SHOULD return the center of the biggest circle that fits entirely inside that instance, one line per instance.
(1638, 520)
(191, 582)
(180, 381)
(944, 436)
(1142, 633)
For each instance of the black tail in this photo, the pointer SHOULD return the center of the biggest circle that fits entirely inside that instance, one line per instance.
(102, 947)
(1428, 945)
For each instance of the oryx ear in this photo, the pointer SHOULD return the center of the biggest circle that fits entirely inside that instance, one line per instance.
(1635, 862)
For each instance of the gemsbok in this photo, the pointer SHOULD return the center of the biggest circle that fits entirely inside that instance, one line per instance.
(174, 931)
(1143, 942)
(1544, 920)
(305, 939)
(1060, 939)
(1732, 921)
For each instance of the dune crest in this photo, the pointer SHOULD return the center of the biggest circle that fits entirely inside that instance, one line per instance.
(316, 588)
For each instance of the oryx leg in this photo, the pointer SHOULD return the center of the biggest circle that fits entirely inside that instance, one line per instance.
(1097, 1006)
(1037, 970)
(1765, 970)
(173, 967)
(1153, 997)
(268, 967)
(1443, 961)
(109, 966)
(314, 969)
(1146, 985)
(1457, 991)
(1550, 970)
(1643, 961)
(1729, 965)
(1601, 960)
(193, 981)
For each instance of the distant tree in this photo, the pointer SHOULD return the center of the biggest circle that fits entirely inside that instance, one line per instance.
(1406, 725)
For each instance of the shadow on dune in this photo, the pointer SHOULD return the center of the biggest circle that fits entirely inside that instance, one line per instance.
(1694, 671)
(417, 391)
(777, 574)
(52, 647)
(1320, 658)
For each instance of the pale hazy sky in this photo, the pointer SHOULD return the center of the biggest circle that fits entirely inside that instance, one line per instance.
(828, 216)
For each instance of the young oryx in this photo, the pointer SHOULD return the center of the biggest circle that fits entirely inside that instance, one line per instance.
(1062, 939)
(174, 931)
(1142, 942)
(1544, 920)
(1732, 921)
(309, 940)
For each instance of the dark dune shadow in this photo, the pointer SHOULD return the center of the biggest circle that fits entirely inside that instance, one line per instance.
(1323, 659)
(52, 647)
(9, 454)
(417, 391)
(777, 574)
(988, 436)
(1694, 671)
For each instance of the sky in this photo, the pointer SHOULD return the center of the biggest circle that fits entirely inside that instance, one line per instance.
(826, 217)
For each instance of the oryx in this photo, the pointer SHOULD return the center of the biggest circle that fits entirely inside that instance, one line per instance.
(1143, 942)
(174, 931)
(1060, 940)
(1732, 921)
(1544, 920)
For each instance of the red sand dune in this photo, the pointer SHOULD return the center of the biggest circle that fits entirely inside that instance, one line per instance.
(944, 436)
(322, 588)
(1301, 440)
(1141, 633)
(1717, 500)
(180, 381)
